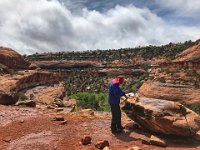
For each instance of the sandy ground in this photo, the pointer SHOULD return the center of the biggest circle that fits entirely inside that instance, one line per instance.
(33, 129)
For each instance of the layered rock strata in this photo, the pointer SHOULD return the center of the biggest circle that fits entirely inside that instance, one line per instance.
(162, 116)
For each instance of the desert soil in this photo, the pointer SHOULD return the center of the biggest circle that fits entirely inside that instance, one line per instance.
(24, 128)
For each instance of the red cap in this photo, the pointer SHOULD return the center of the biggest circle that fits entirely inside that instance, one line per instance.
(118, 80)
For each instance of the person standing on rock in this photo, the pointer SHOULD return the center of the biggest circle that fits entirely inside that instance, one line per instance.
(114, 100)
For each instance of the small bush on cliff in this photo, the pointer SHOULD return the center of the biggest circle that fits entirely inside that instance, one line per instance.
(21, 96)
(162, 80)
(58, 102)
(12, 72)
(193, 107)
(92, 100)
(32, 96)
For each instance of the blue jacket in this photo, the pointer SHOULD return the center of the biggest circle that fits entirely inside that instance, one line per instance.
(114, 94)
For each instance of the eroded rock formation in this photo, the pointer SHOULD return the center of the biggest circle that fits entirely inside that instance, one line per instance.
(12, 59)
(47, 94)
(181, 93)
(11, 85)
(162, 116)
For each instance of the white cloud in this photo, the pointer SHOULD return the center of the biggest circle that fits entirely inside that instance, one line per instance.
(44, 25)
(184, 8)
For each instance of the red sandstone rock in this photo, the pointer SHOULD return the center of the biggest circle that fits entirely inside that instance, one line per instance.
(11, 85)
(86, 140)
(162, 116)
(12, 59)
(181, 93)
(154, 140)
(191, 54)
(102, 144)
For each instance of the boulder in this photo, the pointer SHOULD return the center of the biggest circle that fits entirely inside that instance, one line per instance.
(146, 140)
(32, 66)
(58, 102)
(87, 112)
(86, 140)
(28, 103)
(8, 99)
(12, 59)
(106, 148)
(58, 118)
(154, 140)
(102, 144)
(70, 102)
(162, 116)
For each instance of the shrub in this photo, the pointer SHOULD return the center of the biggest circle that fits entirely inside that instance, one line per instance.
(193, 107)
(58, 102)
(21, 96)
(91, 100)
(162, 80)
(32, 96)
(134, 89)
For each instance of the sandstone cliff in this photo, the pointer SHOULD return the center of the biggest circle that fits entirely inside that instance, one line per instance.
(11, 85)
(178, 80)
(181, 93)
(191, 54)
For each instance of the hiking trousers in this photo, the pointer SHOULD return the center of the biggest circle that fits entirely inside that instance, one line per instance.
(116, 117)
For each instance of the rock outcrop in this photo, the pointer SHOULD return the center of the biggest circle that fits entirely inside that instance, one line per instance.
(162, 116)
(171, 92)
(191, 54)
(11, 85)
(12, 59)
(28, 103)
(35, 78)
(51, 94)
(3, 69)
(8, 98)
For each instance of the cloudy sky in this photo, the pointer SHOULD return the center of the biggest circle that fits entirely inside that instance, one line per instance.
(30, 26)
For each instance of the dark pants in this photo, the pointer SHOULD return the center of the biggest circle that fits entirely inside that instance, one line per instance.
(116, 118)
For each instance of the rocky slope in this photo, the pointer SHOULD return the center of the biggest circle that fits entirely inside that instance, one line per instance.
(171, 92)
(191, 54)
(12, 59)
(178, 80)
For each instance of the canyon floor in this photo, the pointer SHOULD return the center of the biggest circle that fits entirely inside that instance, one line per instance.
(34, 128)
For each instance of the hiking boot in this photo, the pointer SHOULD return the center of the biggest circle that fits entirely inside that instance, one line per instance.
(122, 127)
(117, 131)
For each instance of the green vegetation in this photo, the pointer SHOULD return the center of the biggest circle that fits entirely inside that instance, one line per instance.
(193, 107)
(88, 82)
(32, 96)
(21, 96)
(168, 71)
(58, 102)
(85, 82)
(138, 84)
(168, 51)
(162, 80)
(92, 100)
(91, 90)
